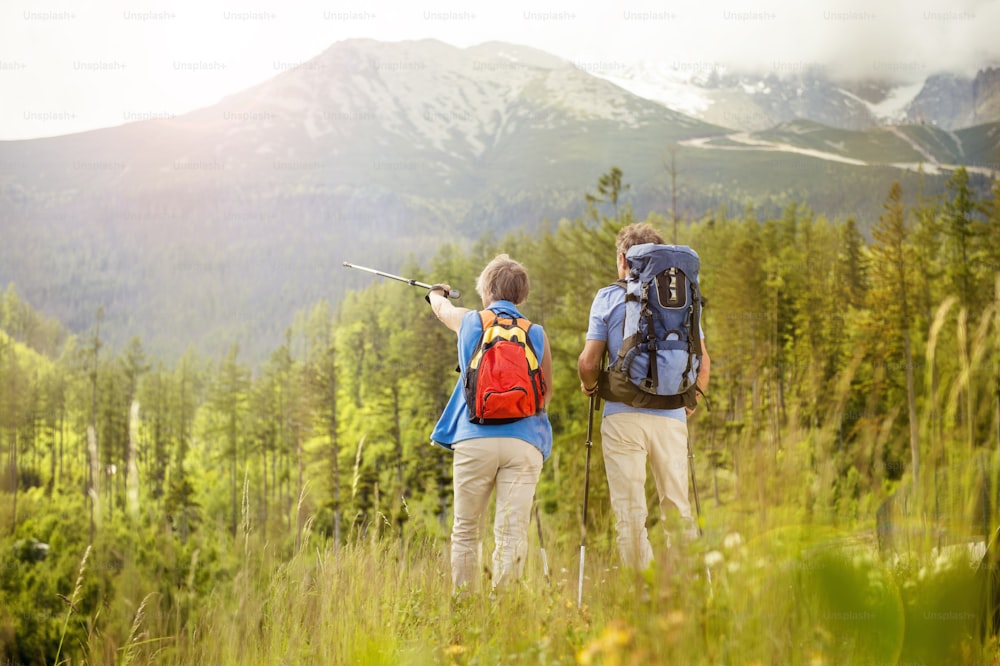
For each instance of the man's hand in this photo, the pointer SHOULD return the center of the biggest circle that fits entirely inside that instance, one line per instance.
(589, 366)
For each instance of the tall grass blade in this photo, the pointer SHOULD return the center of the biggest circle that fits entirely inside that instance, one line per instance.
(71, 602)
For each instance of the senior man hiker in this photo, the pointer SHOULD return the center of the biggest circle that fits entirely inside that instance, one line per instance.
(631, 436)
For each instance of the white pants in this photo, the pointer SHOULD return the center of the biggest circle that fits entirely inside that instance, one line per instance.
(512, 466)
(628, 440)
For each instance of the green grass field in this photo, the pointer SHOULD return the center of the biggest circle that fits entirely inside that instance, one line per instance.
(761, 587)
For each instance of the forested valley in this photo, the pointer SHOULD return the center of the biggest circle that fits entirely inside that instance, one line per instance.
(147, 505)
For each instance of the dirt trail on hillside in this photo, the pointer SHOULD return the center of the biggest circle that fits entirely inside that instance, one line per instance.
(747, 142)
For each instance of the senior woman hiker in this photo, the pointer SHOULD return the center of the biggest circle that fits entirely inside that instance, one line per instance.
(490, 451)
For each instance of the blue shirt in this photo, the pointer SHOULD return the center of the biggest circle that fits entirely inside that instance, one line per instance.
(454, 424)
(607, 320)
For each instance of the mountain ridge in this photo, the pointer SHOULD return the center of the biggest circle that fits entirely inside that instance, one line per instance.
(753, 102)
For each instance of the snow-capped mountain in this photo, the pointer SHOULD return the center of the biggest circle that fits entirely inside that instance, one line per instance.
(756, 102)
(952, 102)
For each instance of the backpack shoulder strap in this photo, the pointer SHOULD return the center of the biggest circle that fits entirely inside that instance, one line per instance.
(489, 318)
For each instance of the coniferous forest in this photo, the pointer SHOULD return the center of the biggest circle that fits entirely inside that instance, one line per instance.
(210, 510)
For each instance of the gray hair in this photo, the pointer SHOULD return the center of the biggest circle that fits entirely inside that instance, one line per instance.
(504, 279)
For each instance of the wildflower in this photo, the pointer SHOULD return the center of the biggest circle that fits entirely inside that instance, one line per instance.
(674, 619)
(732, 540)
(713, 558)
(615, 636)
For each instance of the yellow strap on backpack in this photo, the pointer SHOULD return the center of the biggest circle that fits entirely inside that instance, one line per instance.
(495, 326)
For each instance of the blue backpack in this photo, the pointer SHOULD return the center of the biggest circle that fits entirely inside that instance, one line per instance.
(658, 362)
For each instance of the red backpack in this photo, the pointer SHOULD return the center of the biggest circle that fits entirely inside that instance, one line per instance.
(503, 382)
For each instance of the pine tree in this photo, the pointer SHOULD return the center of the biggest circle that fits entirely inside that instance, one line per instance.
(155, 396)
(960, 232)
(187, 386)
(610, 188)
(891, 294)
(851, 270)
(228, 400)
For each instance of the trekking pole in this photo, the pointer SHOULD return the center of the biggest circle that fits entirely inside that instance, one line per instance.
(454, 293)
(697, 509)
(541, 542)
(586, 496)
(694, 484)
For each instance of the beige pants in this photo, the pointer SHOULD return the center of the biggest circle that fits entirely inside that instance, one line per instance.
(628, 440)
(512, 467)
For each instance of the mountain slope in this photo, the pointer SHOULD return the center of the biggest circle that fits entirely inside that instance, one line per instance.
(214, 227)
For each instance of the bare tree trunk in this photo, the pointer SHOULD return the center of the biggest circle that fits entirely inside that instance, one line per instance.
(263, 471)
(132, 464)
(331, 394)
(92, 448)
(287, 485)
(53, 450)
(93, 481)
(298, 506)
(62, 441)
(232, 487)
(275, 488)
(400, 489)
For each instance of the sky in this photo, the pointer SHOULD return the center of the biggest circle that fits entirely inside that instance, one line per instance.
(72, 65)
